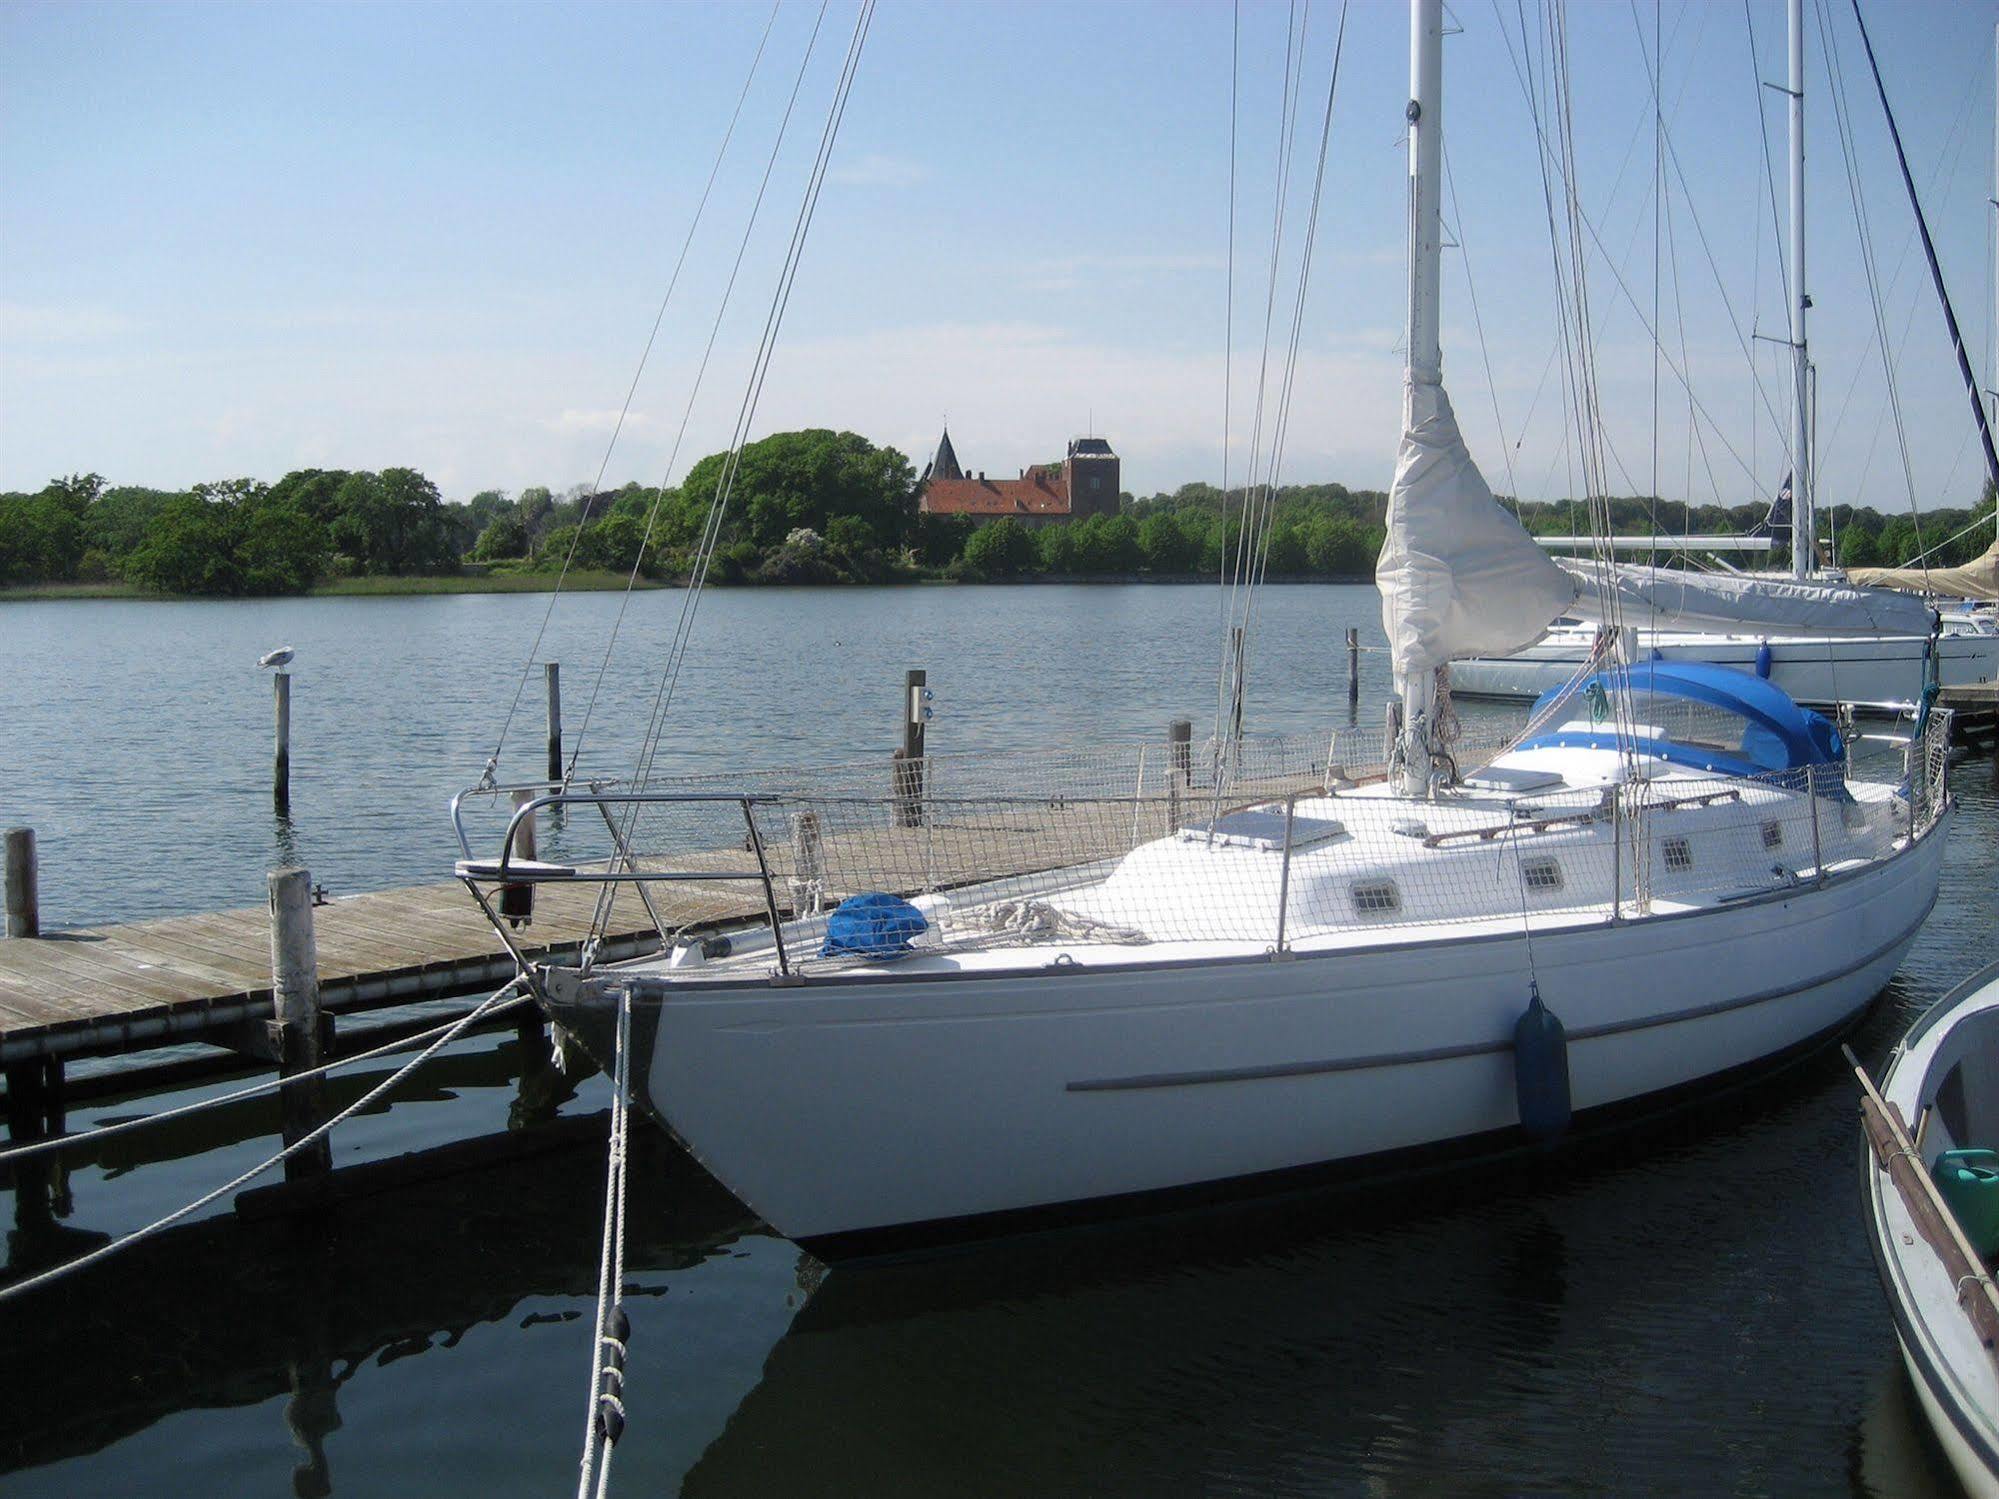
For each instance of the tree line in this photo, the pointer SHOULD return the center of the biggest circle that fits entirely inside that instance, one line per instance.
(813, 506)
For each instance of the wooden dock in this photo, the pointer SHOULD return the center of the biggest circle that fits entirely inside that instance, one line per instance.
(1974, 713)
(108, 989)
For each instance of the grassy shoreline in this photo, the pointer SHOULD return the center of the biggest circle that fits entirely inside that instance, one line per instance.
(594, 582)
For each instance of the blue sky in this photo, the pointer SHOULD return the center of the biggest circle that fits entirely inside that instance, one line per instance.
(242, 239)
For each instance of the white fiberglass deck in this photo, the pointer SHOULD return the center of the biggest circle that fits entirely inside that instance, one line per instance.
(1364, 865)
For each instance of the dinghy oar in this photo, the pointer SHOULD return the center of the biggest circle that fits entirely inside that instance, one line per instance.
(1888, 1135)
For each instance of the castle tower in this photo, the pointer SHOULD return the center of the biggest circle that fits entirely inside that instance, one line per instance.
(1091, 474)
(945, 464)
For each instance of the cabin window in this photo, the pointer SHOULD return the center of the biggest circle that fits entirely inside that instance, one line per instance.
(1542, 874)
(1376, 897)
(1679, 855)
(1773, 835)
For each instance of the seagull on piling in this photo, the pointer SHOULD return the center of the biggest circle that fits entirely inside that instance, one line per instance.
(282, 656)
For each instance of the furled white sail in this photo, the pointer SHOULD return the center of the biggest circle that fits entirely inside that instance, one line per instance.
(1976, 579)
(1731, 603)
(1457, 574)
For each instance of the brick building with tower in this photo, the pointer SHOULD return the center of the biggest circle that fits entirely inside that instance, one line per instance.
(1083, 484)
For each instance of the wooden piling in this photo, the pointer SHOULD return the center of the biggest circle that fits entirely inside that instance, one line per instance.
(554, 671)
(281, 765)
(1179, 766)
(298, 1033)
(24, 899)
(1353, 664)
(909, 763)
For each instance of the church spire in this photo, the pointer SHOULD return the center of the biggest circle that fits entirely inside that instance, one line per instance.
(945, 465)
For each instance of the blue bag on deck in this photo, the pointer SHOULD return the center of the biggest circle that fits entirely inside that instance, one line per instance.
(873, 925)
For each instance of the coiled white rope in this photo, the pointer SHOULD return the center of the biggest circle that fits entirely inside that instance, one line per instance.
(105, 1251)
(269, 1085)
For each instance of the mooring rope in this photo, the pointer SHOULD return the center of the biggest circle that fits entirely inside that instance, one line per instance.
(604, 1422)
(269, 1085)
(105, 1251)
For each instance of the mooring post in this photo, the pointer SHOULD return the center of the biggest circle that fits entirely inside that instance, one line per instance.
(1179, 766)
(554, 670)
(24, 897)
(909, 766)
(1353, 664)
(281, 766)
(297, 1036)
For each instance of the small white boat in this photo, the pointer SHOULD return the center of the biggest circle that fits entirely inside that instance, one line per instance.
(1938, 1098)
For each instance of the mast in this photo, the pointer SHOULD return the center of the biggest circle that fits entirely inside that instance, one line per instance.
(1425, 366)
(1804, 521)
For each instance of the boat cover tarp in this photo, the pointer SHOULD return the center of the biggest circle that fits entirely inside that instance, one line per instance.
(1976, 579)
(1728, 603)
(872, 925)
(1777, 733)
(1457, 574)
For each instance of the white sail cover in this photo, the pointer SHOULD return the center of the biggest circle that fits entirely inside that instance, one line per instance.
(1732, 603)
(1457, 574)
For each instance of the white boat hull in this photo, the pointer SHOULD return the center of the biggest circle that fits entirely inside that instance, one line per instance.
(1952, 1374)
(868, 1112)
(1883, 672)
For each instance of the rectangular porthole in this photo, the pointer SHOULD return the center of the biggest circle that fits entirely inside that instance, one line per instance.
(1773, 835)
(1376, 898)
(1542, 874)
(1678, 854)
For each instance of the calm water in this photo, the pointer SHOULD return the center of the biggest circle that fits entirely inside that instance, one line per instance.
(139, 734)
(1689, 1311)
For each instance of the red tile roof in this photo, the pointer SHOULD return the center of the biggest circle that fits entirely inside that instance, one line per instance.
(1043, 492)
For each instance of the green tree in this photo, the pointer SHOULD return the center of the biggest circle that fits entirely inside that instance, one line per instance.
(803, 479)
(1285, 552)
(1055, 548)
(393, 522)
(1000, 550)
(1164, 545)
(189, 548)
(281, 549)
(505, 536)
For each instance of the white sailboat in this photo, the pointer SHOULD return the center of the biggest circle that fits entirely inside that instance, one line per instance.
(1826, 642)
(1093, 985)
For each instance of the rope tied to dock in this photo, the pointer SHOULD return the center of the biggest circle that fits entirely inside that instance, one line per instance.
(486, 1007)
(269, 1085)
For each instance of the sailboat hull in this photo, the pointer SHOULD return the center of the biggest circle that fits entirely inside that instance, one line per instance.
(878, 1113)
(1881, 672)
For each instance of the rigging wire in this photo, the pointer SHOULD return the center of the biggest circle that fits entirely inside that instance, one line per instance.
(1864, 231)
(1228, 354)
(700, 377)
(1229, 731)
(624, 412)
(746, 412)
(1281, 427)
